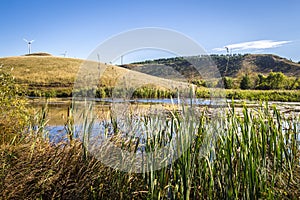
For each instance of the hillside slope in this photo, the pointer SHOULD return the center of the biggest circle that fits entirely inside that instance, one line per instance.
(265, 63)
(232, 65)
(57, 73)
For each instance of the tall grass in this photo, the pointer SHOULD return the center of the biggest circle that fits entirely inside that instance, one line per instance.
(252, 154)
(240, 155)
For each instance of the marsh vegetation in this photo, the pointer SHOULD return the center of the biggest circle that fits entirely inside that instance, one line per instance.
(235, 155)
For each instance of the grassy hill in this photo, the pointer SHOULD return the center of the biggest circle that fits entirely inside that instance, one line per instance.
(265, 63)
(231, 66)
(42, 70)
(45, 73)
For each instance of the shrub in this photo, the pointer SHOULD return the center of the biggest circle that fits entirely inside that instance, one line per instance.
(100, 93)
(14, 113)
(225, 82)
(274, 80)
(245, 83)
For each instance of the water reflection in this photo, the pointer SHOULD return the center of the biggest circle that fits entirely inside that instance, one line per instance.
(58, 109)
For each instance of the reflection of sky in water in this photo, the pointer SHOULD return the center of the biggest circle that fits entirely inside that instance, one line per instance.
(57, 132)
(163, 101)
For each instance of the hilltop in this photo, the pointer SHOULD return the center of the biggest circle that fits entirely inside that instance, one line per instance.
(42, 73)
(228, 65)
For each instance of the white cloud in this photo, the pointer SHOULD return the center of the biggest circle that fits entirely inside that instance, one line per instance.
(253, 45)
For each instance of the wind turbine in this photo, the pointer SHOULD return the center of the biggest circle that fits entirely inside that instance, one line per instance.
(29, 44)
(122, 59)
(228, 50)
(64, 54)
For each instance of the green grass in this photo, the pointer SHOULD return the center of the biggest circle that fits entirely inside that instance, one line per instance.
(265, 95)
(154, 92)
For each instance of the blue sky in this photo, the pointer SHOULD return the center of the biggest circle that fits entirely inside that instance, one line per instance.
(78, 27)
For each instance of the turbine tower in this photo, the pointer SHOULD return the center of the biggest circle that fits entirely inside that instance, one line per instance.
(64, 54)
(29, 42)
(228, 50)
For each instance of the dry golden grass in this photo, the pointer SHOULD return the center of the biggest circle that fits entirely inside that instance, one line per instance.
(61, 172)
(57, 72)
(41, 69)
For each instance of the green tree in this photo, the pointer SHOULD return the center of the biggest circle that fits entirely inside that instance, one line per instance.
(245, 82)
(228, 83)
(225, 82)
(261, 82)
(276, 80)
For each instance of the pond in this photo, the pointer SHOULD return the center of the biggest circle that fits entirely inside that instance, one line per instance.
(58, 108)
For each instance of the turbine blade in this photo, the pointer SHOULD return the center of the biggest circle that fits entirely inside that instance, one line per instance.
(25, 40)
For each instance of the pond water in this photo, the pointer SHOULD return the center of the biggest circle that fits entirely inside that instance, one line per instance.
(58, 108)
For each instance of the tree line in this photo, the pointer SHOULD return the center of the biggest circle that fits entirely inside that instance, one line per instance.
(271, 81)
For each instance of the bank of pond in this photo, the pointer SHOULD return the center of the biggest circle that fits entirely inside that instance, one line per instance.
(155, 93)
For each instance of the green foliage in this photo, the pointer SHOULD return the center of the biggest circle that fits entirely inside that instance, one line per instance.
(245, 82)
(274, 80)
(225, 82)
(265, 95)
(150, 92)
(50, 93)
(228, 83)
(203, 93)
(291, 83)
(14, 114)
(100, 93)
(231, 66)
(199, 83)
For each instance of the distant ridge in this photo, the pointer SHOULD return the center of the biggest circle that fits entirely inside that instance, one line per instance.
(228, 65)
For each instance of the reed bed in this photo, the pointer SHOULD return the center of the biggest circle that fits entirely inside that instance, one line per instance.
(253, 154)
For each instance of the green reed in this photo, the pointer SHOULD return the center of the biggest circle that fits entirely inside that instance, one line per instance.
(252, 153)
(246, 155)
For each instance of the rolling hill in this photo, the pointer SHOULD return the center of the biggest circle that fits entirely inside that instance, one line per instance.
(45, 75)
(231, 66)
(42, 73)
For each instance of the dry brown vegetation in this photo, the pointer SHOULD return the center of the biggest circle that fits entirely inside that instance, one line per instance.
(59, 71)
(45, 171)
(40, 74)
(42, 69)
